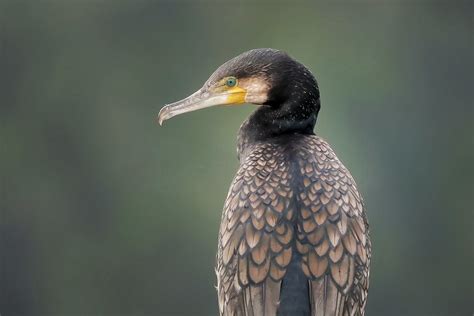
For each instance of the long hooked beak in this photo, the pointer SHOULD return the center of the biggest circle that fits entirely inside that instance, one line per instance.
(199, 100)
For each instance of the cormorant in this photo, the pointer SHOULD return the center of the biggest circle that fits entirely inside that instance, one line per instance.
(294, 236)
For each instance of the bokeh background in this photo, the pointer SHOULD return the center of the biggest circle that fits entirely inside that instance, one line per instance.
(105, 213)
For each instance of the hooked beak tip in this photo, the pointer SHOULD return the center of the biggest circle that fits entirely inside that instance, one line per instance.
(162, 115)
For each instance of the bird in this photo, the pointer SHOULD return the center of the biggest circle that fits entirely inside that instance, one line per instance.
(294, 235)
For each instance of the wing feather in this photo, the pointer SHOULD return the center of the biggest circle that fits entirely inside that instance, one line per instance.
(256, 234)
(332, 232)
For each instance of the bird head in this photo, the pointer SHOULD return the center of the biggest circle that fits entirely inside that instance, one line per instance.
(259, 76)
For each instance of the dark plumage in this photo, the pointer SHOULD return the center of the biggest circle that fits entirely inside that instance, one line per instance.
(293, 98)
(294, 237)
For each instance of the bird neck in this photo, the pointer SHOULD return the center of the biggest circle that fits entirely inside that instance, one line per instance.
(270, 121)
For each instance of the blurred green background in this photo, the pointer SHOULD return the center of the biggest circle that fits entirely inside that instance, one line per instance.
(105, 213)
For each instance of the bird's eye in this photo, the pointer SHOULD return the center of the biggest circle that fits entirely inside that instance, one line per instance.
(231, 82)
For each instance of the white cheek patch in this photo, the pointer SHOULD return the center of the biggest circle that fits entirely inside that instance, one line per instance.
(257, 90)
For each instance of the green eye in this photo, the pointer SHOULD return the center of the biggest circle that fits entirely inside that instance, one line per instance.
(231, 82)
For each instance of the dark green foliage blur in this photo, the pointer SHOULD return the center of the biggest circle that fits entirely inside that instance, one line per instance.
(103, 212)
